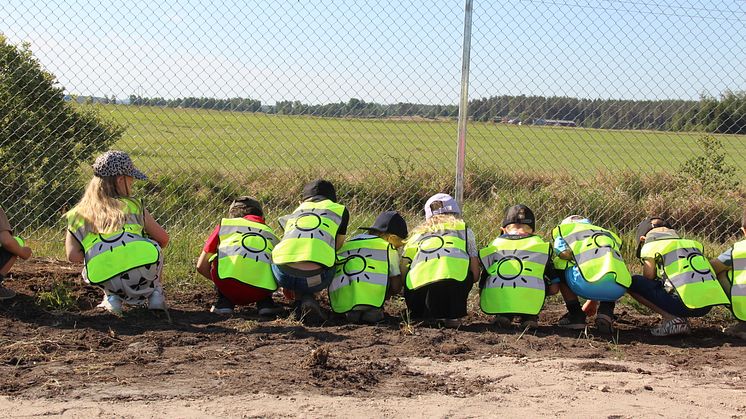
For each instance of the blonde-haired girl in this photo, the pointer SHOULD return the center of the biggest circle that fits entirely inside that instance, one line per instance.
(116, 238)
(440, 263)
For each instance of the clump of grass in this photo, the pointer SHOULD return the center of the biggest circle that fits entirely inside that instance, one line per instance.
(59, 298)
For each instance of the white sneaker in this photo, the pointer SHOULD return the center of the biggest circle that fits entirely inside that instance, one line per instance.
(157, 301)
(112, 303)
(675, 326)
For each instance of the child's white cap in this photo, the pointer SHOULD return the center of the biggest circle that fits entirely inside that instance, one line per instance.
(576, 219)
(441, 203)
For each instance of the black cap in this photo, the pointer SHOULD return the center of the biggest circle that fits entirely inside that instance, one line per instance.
(319, 187)
(648, 224)
(519, 214)
(644, 228)
(390, 222)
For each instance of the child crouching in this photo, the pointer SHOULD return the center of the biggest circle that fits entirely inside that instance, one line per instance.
(368, 270)
(237, 257)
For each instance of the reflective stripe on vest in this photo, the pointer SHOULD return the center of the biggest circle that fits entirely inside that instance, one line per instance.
(109, 255)
(682, 263)
(310, 234)
(362, 274)
(437, 256)
(515, 282)
(245, 252)
(595, 252)
(738, 281)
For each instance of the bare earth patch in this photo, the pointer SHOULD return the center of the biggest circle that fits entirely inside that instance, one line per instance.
(84, 363)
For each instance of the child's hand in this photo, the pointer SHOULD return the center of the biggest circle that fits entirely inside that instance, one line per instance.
(25, 253)
(590, 307)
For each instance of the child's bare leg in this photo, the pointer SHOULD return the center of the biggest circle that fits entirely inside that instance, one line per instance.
(724, 282)
(6, 268)
(567, 293)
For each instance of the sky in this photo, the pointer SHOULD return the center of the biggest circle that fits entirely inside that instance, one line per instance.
(382, 51)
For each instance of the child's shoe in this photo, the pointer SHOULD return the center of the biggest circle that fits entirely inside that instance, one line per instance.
(529, 322)
(354, 316)
(675, 326)
(267, 307)
(308, 304)
(574, 321)
(373, 315)
(738, 330)
(502, 321)
(604, 323)
(5, 293)
(112, 303)
(222, 306)
(157, 300)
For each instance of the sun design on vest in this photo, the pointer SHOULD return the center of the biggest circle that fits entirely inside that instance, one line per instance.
(601, 240)
(309, 223)
(510, 268)
(355, 267)
(251, 244)
(433, 247)
(102, 244)
(697, 262)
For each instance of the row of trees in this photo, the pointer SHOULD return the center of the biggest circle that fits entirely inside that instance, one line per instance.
(726, 114)
(234, 104)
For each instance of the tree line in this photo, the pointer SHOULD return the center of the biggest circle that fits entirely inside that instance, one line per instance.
(726, 114)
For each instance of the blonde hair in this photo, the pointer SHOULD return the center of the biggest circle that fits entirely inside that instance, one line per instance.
(100, 207)
(434, 224)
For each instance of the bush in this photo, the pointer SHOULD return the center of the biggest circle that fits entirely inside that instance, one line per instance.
(710, 171)
(43, 138)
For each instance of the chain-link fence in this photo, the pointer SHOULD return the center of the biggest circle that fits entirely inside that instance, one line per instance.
(613, 109)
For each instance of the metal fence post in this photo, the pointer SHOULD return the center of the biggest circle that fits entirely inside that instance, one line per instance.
(463, 109)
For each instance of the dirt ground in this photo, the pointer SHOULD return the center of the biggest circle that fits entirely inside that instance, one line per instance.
(86, 363)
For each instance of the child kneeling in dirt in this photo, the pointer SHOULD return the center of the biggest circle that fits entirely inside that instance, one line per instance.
(368, 270)
(116, 237)
(440, 263)
(237, 257)
(517, 268)
(304, 260)
(730, 268)
(677, 281)
(594, 270)
(11, 248)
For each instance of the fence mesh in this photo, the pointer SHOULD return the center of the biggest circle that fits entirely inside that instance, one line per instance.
(612, 109)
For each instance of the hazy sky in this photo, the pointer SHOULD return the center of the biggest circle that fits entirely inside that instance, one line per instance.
(385, 51)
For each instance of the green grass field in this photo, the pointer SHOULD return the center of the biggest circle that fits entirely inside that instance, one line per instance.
(178, 140)
(199, 160)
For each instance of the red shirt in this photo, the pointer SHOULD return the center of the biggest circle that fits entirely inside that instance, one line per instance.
(211, 245)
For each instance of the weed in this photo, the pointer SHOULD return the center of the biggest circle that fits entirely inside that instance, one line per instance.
(407, 326)
(59, 298)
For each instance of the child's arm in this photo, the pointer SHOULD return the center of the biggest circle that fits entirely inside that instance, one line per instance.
(395, 284)
(9, 243)
(73, 250)
(155, 231)
(719, 266)
(339, 241)
(474, 268)
(203, 264)
(648, 269)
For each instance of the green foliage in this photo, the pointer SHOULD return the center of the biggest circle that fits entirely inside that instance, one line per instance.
(43, 139)
(710, 171)
(59, 298)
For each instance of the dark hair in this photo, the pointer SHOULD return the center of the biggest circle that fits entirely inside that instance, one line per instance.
(743, 219)
(245, 205)
(242, 211)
